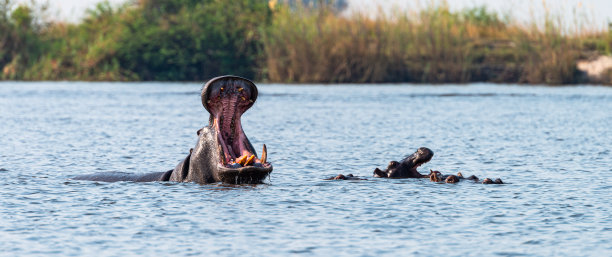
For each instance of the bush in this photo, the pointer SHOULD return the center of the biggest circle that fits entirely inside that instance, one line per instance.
(195, 40)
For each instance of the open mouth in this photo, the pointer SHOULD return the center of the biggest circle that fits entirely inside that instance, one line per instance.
(421, 156)
(226, 99)
(416, 166)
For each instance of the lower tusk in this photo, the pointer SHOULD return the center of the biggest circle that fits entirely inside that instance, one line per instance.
(250, 160)
(264, 154)
(242, 160)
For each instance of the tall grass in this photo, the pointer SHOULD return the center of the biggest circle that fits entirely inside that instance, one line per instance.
(432, 45)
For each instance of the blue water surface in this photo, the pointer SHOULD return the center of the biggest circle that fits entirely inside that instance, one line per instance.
(551, 145)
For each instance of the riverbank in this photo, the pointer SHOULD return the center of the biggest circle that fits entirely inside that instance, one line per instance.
(195, 40)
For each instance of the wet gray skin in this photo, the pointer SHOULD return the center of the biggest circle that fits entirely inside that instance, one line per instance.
(223, 153)
(407, 168)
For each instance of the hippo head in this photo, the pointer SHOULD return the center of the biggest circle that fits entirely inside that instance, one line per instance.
(407, 168)
(234, 159)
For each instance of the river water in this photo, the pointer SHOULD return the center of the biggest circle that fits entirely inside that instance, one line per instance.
(551, 145)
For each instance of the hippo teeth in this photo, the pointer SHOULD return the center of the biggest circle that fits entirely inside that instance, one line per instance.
(246, 160)
(264, 154)
(250, 160)
(242, 160)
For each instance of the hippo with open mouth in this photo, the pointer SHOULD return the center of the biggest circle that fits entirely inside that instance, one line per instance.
(223, 152)
(407, 168)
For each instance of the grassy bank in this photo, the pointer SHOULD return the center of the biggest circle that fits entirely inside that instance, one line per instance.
(198, 39)
(432, 45)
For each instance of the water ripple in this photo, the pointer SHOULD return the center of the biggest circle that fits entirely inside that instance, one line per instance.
(550, 145)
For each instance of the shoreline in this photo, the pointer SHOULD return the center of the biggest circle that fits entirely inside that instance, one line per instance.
(291, 44)
(320, 84)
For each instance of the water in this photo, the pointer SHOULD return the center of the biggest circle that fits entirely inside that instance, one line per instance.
(550, 145)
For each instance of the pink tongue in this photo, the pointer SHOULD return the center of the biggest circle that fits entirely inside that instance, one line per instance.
(226, 107)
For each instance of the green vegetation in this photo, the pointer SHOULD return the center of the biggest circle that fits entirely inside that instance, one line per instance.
(434, 45)
(155, 40)
(194, 40)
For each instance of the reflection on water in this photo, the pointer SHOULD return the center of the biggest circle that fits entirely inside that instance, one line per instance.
(552, 145)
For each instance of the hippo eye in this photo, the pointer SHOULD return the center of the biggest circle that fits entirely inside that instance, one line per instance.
(392, 164)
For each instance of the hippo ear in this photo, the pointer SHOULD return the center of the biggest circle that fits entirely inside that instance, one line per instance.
(392, 164)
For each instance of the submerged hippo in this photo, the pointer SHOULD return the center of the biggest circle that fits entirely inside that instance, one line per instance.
(437, 176)
(223, 152)
(407, 168)
(347, 177)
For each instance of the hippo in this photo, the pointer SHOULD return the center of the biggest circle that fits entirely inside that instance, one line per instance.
(343, 177)
(223, 152)
(437, 176)
(407, 168)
